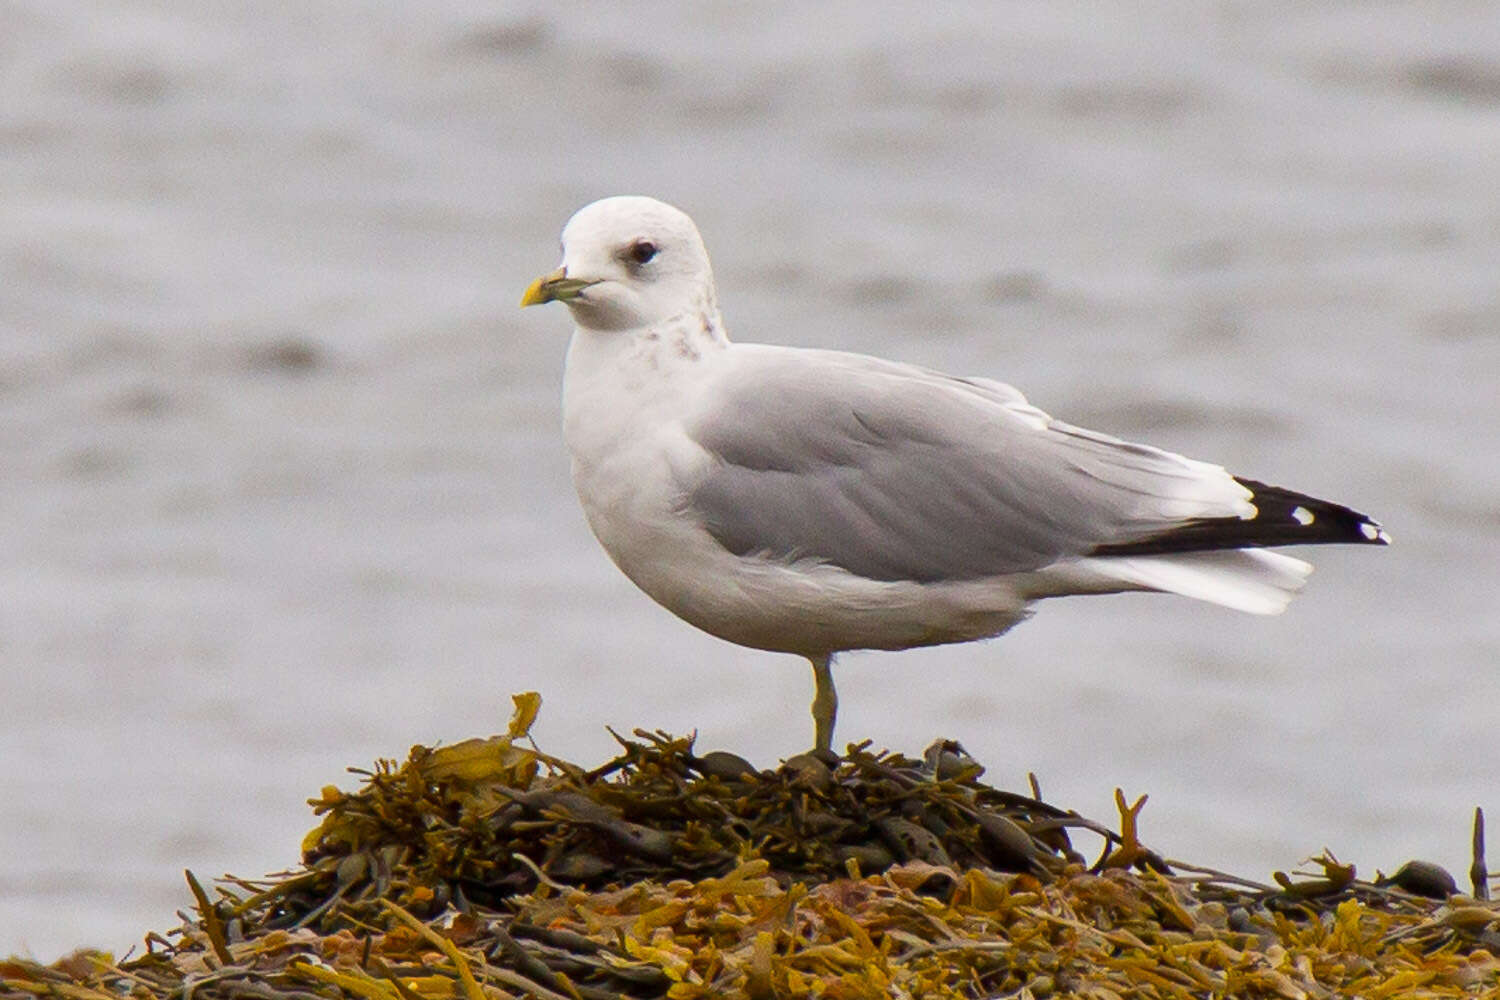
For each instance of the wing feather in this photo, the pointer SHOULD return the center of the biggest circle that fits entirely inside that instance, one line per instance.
(894, 472)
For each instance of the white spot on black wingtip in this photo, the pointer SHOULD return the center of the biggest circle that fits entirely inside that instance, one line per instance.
(1375, 533)
(1303, 516)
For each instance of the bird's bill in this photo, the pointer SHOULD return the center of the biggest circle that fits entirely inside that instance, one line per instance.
(554, 287)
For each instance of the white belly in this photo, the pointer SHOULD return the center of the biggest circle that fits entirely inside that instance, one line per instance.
(804, 607)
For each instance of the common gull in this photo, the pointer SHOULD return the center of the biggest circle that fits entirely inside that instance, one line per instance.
(811, 501)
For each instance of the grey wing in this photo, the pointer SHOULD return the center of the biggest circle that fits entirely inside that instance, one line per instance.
(897, 473)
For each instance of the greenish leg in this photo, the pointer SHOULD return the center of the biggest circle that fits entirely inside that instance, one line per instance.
(825, 704)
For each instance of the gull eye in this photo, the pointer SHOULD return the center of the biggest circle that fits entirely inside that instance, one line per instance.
(641, 251)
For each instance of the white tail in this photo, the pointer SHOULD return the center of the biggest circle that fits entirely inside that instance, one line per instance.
(1259, 581)
(1255, 580)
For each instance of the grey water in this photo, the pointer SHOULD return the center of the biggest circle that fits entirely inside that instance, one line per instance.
(282, 488)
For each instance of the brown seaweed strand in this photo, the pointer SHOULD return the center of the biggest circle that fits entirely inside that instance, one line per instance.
(211, 923)
(1479, 873)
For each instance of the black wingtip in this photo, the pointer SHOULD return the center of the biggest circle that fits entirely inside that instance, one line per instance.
(1282, 517)
(1311, 521)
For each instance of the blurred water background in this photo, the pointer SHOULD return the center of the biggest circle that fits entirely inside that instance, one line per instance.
(282, 488)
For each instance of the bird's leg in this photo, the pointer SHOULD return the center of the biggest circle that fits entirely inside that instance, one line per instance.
(825, 704)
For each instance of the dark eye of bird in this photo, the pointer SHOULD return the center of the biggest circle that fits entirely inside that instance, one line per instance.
(641, 251)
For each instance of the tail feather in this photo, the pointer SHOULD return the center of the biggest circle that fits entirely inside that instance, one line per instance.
(1252, 580)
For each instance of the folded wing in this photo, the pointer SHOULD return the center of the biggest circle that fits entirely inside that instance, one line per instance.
(894, 472)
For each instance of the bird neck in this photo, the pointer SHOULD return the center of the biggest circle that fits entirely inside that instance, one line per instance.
(648, 352)
(687, 337)
(617, 379)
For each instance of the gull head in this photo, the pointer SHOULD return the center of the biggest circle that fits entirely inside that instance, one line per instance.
(628, 263)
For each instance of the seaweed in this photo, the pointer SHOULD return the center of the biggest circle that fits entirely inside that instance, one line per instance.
(489, 869)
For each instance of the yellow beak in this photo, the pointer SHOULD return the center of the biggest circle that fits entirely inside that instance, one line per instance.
(554, 287)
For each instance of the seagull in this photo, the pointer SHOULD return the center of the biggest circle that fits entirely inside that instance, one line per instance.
(812, 501)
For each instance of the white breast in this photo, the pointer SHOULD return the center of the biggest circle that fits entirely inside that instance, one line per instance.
(624, 402)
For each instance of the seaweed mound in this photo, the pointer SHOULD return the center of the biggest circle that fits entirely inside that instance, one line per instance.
(489, 869)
